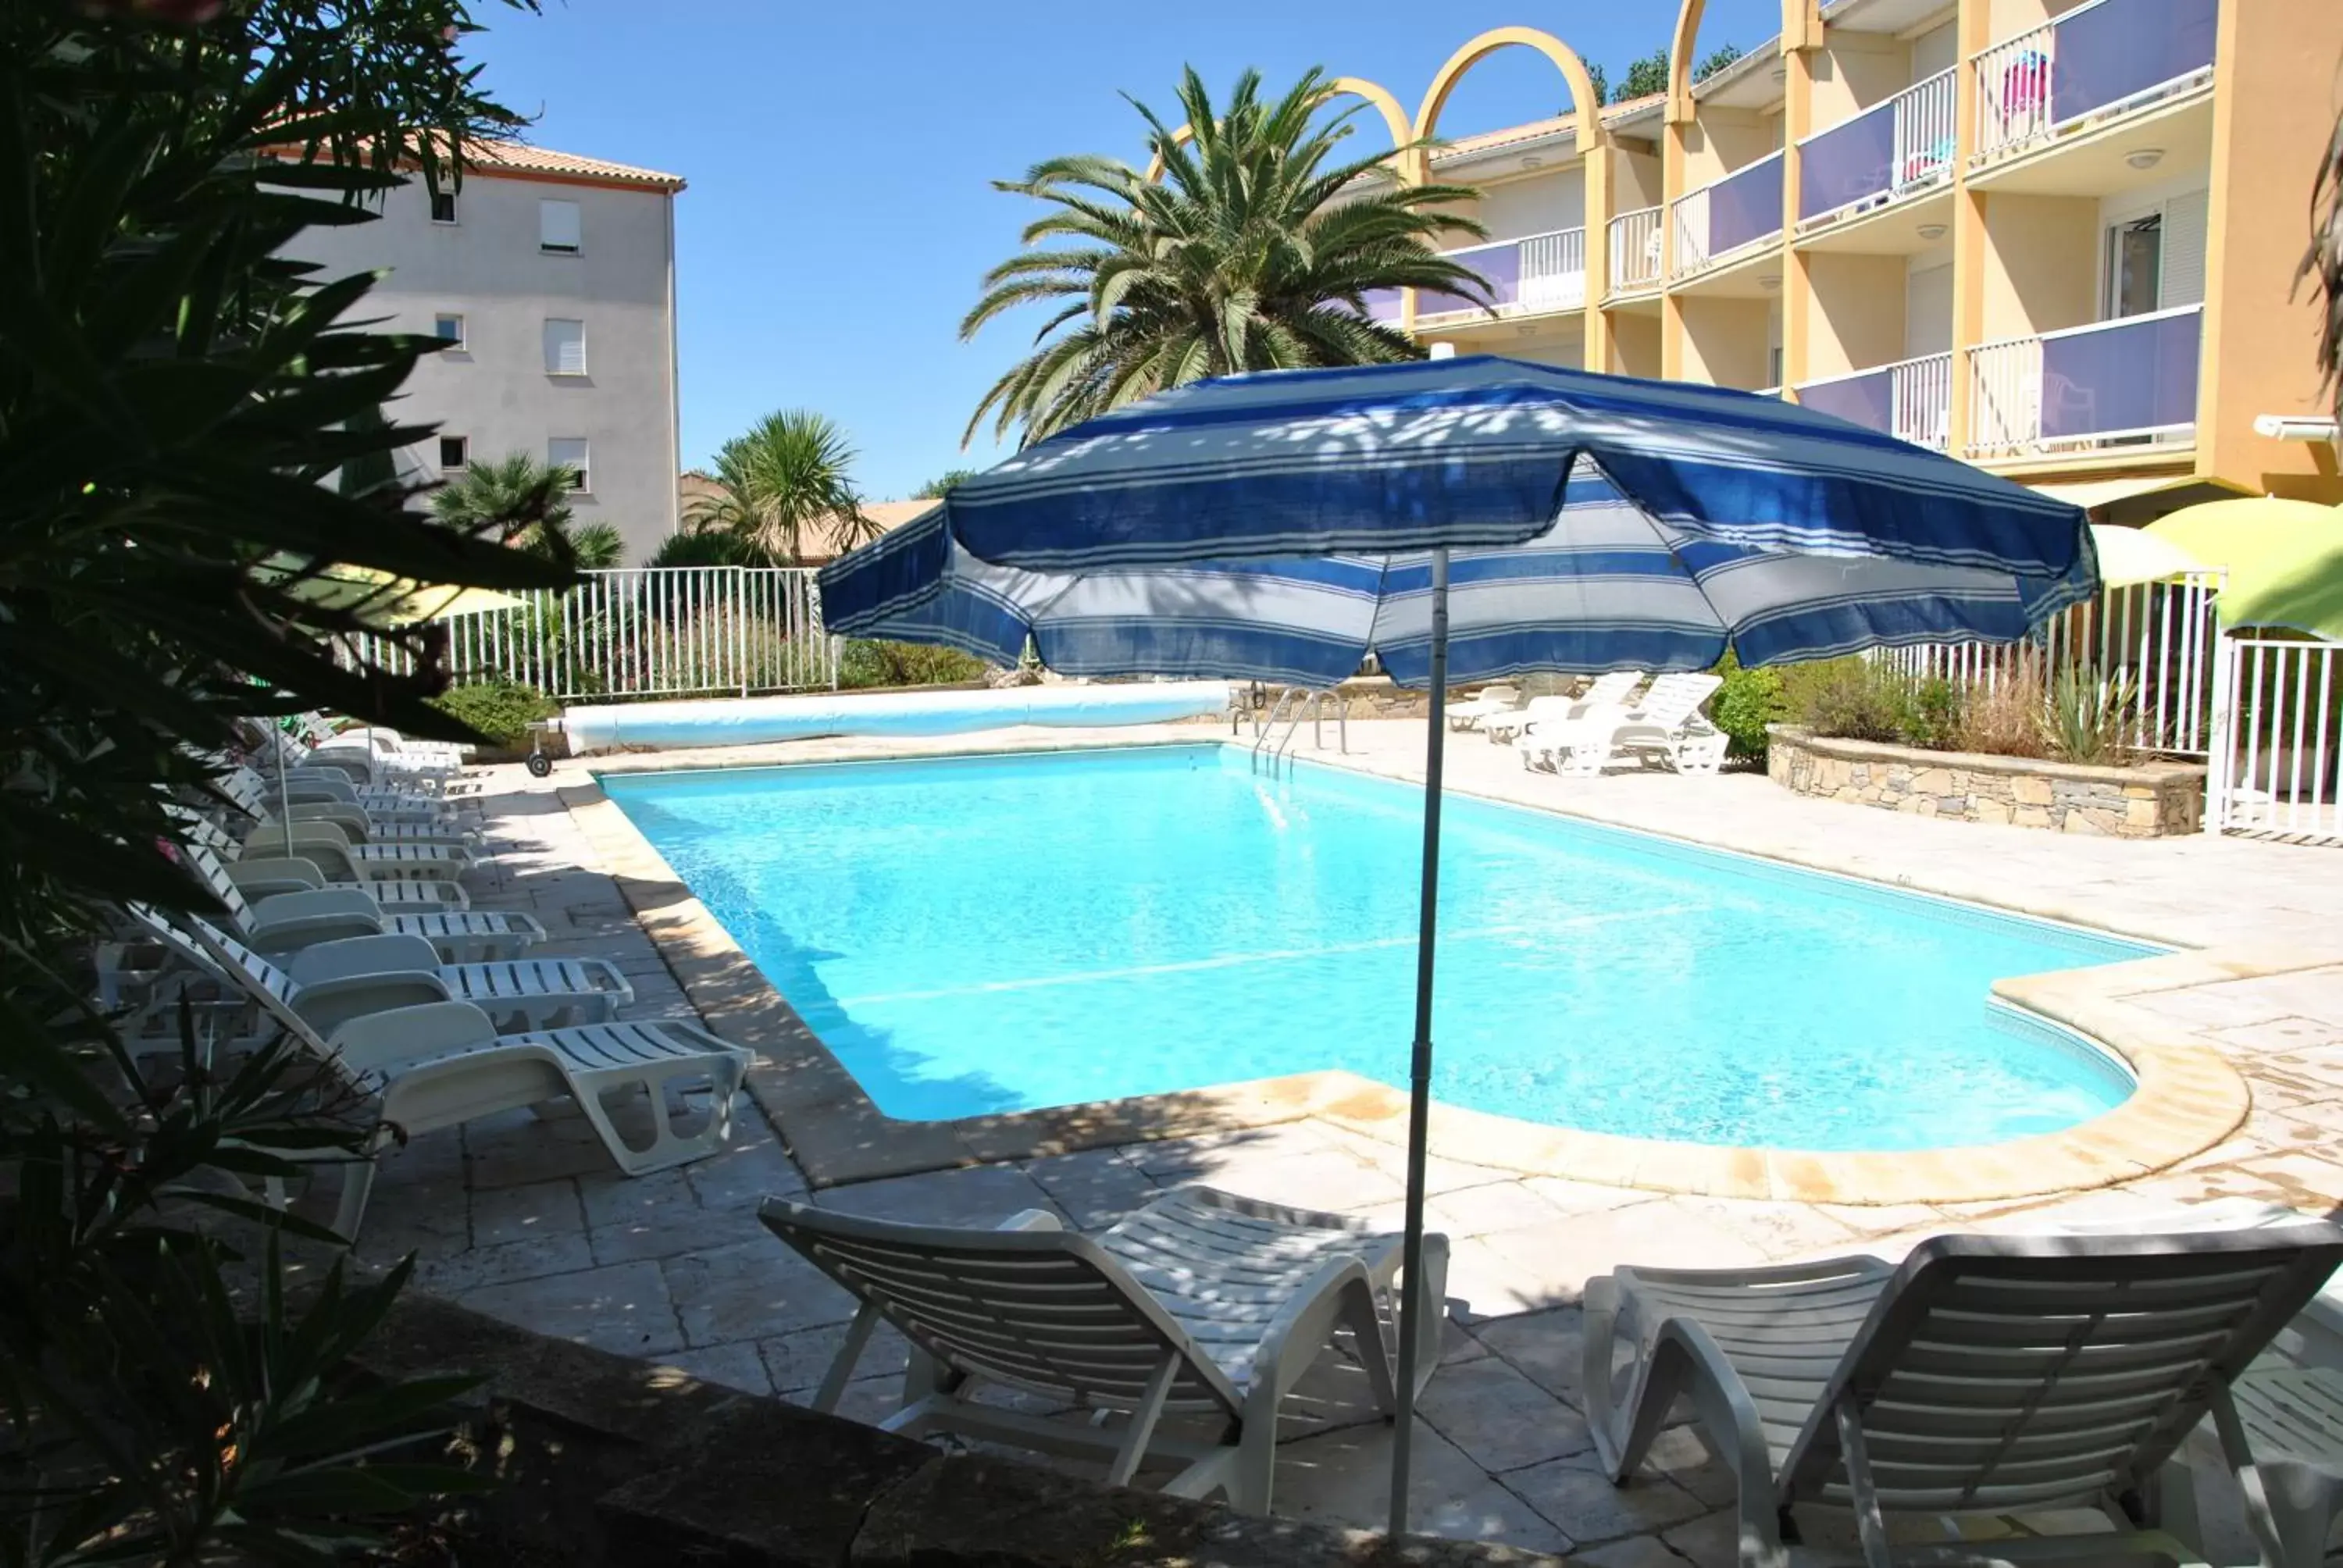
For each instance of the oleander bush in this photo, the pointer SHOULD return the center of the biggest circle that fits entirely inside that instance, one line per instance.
(499, 711)
(1748, 701)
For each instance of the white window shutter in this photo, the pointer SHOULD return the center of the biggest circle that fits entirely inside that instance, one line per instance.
(558, 226)
(570, 452)
(1928, 311)
(565, 346)
(2182, 279)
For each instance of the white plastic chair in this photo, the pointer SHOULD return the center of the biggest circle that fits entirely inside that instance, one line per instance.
(319, 865)
(332, 847)
(1490, 701)
(1985, 1375)
(333, 982)
(1606, 691)
(1202, 1303)
(1665, 723)
(284, 922)
(250, 794)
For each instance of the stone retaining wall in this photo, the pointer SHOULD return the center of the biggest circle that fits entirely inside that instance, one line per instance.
(2152, 801)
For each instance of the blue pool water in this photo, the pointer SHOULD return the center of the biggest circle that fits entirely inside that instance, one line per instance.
(1001, 933)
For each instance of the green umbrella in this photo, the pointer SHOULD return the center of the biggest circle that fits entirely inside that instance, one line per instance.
(2285, 560)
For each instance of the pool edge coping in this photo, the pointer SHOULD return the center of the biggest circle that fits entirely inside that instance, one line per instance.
(2189, 1098)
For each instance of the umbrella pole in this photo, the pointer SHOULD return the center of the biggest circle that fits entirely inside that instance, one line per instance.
(1419, 1107)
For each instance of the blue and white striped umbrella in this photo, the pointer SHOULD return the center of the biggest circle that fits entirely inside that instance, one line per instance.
(1479, 515)
(1606, 586)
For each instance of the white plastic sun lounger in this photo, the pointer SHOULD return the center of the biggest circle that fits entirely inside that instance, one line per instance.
(285, 922)
(1490, 701)
(443, 1063)
(1985, 1375)
(250, 794)
(2290, 1401)
(1607, 690)
(345, 859)
(333, 982)
(1200, 1304)
(1665, 723)
(319, 865)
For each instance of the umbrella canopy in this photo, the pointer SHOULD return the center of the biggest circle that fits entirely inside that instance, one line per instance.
(1281, 524)
(384, 599)
(2285, 560)
(1606, 586)
(2129, 556)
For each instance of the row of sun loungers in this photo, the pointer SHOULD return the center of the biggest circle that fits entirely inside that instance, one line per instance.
(1982, 1375)
(1606, 725)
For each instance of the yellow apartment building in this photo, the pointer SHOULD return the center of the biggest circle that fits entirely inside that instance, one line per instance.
(2057, 240)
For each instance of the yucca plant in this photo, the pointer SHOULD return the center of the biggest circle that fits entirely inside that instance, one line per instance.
(792, 472)
(1256, 250)
(2087, 714)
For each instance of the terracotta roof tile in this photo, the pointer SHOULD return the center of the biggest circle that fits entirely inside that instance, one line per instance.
(520, 158)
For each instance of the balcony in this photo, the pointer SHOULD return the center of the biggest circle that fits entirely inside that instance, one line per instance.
(1909, 399)
(1531, 276)
(1741, 210)
(1889, 151)
(1636, 257)
(2095, 62)
(2131, 382)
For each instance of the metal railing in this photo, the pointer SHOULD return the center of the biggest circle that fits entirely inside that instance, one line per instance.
(1636, 261)
(1893, 149)
(2127, 381)
(2160, 636)
(649, 630)
(1910, 400)
(2097, 60)
(1526, 276)
(1726, 215)
(2276, 738)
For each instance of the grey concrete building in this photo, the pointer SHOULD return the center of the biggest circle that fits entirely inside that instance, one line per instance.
(552, 275)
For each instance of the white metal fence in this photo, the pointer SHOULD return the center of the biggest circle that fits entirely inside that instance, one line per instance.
(2160, 636)
(2276, 738)
(649, 630)
(1635, 259)
(1924, 131)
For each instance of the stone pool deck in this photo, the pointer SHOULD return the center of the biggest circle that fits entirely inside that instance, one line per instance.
(525, 1219)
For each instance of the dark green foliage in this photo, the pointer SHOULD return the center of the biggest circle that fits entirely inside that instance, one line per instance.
(942, 482)
(787, 474)
(1255, 251)
(498, 710)
(1932, 714)
(708, 548)
(1749, 700)
(191, 430)
(1868, 699)
(1644, 77)
(1716, 59)
(863, 663)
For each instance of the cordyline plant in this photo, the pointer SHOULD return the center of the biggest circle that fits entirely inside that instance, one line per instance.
(190, 437)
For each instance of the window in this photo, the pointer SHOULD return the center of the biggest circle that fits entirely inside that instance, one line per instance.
(2135, 266)
(568, 452)
(557, 227)
(565, 346)
(455, 453)
(442, 207)
(448, 326)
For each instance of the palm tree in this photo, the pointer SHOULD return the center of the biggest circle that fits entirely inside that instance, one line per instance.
(788, 472)
(1255, 251)
(518, 486)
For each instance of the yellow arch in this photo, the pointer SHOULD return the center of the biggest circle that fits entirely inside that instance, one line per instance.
(1802, 28)
(1583, 103)
(1374, 93)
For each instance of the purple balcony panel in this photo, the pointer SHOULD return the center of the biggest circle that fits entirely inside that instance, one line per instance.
(1848, 163)
(1383, 303)
(2112, 51)
(2127, 377)
(1500, 266)
(1869, 399)
(1746, 206)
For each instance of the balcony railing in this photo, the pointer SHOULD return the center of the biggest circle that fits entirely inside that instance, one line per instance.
(2095, 60)
(1909, 399)
(2107, 384)
(1636, 260)
(1740, 210)
(1889, 150)
(1526, 276)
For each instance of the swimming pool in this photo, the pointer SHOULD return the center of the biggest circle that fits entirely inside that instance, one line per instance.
(984, 934)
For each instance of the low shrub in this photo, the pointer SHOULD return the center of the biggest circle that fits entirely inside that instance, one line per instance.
(2004, 718)
(865, 663)
(1932, 713)
(2085, 714)
(1852, 699)
(1749, 700)
(500, 710)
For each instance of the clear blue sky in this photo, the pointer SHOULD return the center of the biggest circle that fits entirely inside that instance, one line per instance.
(839, 213)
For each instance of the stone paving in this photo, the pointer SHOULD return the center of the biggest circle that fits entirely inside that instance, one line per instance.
(524, 1218)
